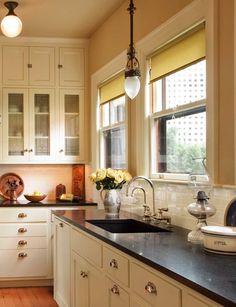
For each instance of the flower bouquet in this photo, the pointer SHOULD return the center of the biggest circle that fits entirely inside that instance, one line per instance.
(109, 179)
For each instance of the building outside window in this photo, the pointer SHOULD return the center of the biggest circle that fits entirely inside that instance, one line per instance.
(178, 107)
(112, 130)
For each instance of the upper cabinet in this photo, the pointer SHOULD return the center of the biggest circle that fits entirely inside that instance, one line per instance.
(71, 125)
(28, 132)
(71, 67)
(42, 103)
(28, 66)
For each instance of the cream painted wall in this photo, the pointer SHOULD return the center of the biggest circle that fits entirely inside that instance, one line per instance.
(113, 36)
(226, 92)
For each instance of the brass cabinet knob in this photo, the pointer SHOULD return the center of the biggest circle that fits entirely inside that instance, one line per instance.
(61, 150)
(22, 255)
(115, 290)
(61, 225)
(22, 230)
(22, 242)
(21, 215)
(83, 274)
(59, 66)
(151, 288)
(114, 264)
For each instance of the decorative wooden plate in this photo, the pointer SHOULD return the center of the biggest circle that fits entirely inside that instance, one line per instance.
(11, 186)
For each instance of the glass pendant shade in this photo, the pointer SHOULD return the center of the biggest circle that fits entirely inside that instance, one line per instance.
(11, 26)
(132, 86)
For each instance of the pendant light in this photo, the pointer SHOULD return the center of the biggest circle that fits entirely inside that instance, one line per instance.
(11, 24)
(132, 71)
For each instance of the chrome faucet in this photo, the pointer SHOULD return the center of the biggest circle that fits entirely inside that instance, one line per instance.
(151, 185)
(147, 212)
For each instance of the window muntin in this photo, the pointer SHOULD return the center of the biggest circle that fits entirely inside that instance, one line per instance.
(178, 122)
(113, 134)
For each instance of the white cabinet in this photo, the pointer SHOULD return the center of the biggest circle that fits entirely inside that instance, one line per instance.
(24, 65)
(102, 275)
(24, 248)
(28, 125)
(87, 284)
(61, 263)
(71, 139)
(194, 299)
(71, 67)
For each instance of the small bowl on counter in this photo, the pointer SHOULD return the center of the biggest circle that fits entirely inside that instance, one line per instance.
(35, 198)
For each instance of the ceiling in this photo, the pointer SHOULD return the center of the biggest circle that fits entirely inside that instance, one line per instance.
(62, 18)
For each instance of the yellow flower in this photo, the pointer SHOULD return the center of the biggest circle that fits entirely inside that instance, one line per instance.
(111, 173)
(101, 174)
(119, 177)
(127, 176)
(93, 177)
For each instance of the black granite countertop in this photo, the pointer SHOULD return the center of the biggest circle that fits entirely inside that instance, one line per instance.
(212, 275)
(45, 203)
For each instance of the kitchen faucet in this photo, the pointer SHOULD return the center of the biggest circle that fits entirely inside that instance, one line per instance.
(159, 217)
(146, 213)
(151, 185)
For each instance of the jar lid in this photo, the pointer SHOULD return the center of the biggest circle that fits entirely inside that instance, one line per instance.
(219, 230)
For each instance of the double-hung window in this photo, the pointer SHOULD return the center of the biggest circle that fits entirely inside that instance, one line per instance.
(112, 130)
(178, 107)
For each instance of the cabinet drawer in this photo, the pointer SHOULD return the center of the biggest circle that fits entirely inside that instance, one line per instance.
(116, 265)
(152, 288)
(23, 230)
(117, 296)
(34, 264)
(21, 243)
(18, 215)
(86, 247)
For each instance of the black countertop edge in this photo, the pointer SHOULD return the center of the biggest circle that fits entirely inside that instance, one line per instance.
(47, 203)
(180, 278)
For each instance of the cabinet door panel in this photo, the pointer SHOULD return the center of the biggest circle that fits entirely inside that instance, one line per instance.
(15, 125)
(71, 67)
(87, 284)
(42, 67)
(71, 126)
(62, 263)
(15, 69)
(117, 296)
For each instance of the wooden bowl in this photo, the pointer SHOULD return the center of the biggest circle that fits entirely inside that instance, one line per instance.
(35, 198)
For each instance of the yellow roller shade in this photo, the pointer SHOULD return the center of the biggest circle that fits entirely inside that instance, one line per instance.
(112, 89)
(179, 54)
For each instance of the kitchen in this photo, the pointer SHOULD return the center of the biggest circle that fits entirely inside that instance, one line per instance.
(103, 63)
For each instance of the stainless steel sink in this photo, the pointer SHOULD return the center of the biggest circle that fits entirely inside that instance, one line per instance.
(126, 226)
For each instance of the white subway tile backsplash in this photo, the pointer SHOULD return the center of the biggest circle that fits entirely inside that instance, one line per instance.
(177, 197)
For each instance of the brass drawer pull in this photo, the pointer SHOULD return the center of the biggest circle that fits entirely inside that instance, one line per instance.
(61, 224)
(114, 264)
(22, 242)
(83, 274)
(22, 255)
(151, 288)
(22, 230)
(22, 215)
(115, 290)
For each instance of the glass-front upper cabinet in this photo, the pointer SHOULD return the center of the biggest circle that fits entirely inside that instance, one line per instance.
(71, 125)
(27, 125)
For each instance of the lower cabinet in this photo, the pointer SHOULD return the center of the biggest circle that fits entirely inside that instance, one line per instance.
(103, 276)
(61, 263)
(87, 284)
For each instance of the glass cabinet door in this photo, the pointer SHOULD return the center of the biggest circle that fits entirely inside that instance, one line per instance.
(41, 121)
(71, 110)
(14, 125)
(42, 124)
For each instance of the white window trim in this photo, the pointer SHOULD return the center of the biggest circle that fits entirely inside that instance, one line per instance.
(105, 73)
(190, 16)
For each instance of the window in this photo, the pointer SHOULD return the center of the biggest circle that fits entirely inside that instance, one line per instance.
(112, 113)
(178, 108)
